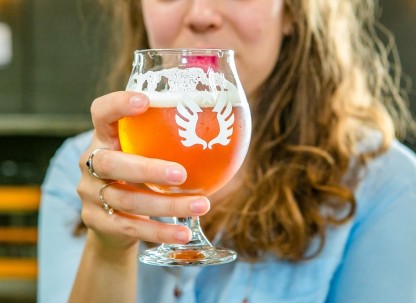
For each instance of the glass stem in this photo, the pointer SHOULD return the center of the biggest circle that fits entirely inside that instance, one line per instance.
(198, 238)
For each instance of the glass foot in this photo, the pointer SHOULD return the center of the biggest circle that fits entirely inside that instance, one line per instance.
(182, 255)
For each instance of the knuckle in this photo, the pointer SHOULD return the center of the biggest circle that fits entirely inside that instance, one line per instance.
(146, 168)
(160, 235)
(103, 163)
(126, 202)
(172, 207)
(81, 189)
(82, 160)
(156, 234)
(130, 230)
(96, 109)
(153, 170)
(87, 217)
(94, 106)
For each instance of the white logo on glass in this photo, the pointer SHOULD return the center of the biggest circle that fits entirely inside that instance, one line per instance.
(187, 119)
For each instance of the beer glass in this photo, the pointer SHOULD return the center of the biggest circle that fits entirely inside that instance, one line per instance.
(198, 117)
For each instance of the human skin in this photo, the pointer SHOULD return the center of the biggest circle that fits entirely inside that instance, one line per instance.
(252, 28)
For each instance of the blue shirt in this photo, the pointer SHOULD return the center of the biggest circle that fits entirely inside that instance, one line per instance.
(369, 259)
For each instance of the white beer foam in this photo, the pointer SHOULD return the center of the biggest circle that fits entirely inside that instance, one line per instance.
(203, 99)
(184, 83)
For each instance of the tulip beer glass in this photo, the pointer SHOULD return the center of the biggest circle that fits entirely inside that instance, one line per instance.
(198, 117)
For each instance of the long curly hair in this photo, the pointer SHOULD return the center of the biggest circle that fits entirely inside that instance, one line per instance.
(331, 88)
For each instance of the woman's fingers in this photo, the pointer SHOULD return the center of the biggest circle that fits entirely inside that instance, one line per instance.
(132, 206)
(135, 205)
(150, 230)
(115, 165)
(125, 229)
(108, 109)
(129, 199)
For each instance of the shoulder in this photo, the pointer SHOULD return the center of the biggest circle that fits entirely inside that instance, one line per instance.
(398, 158)
(388, 179)
(63, 172)
(75, 145)
(392, 171)
(379, 240)
(59, 213)
(70, 151)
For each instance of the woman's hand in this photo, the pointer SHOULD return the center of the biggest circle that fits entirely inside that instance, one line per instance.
(132, 202)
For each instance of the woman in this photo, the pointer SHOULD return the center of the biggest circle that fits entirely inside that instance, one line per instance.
(323, 209)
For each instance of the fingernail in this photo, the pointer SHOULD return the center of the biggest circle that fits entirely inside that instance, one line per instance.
(138, 101)
(183, 236)
(199, 206)
(175, 174)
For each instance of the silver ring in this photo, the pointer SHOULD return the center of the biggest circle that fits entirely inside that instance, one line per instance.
(90, 164)
(107, 208)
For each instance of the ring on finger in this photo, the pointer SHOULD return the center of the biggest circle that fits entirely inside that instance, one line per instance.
(107, 208)
(90, 164)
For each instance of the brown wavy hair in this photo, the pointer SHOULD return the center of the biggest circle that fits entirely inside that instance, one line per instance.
(330, 88)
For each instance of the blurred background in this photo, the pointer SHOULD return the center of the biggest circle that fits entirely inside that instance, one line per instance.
(49, 72)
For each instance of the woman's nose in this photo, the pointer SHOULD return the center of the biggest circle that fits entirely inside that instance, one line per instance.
(203, 15)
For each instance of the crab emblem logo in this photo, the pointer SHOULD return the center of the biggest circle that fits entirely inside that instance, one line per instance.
(187, 120)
